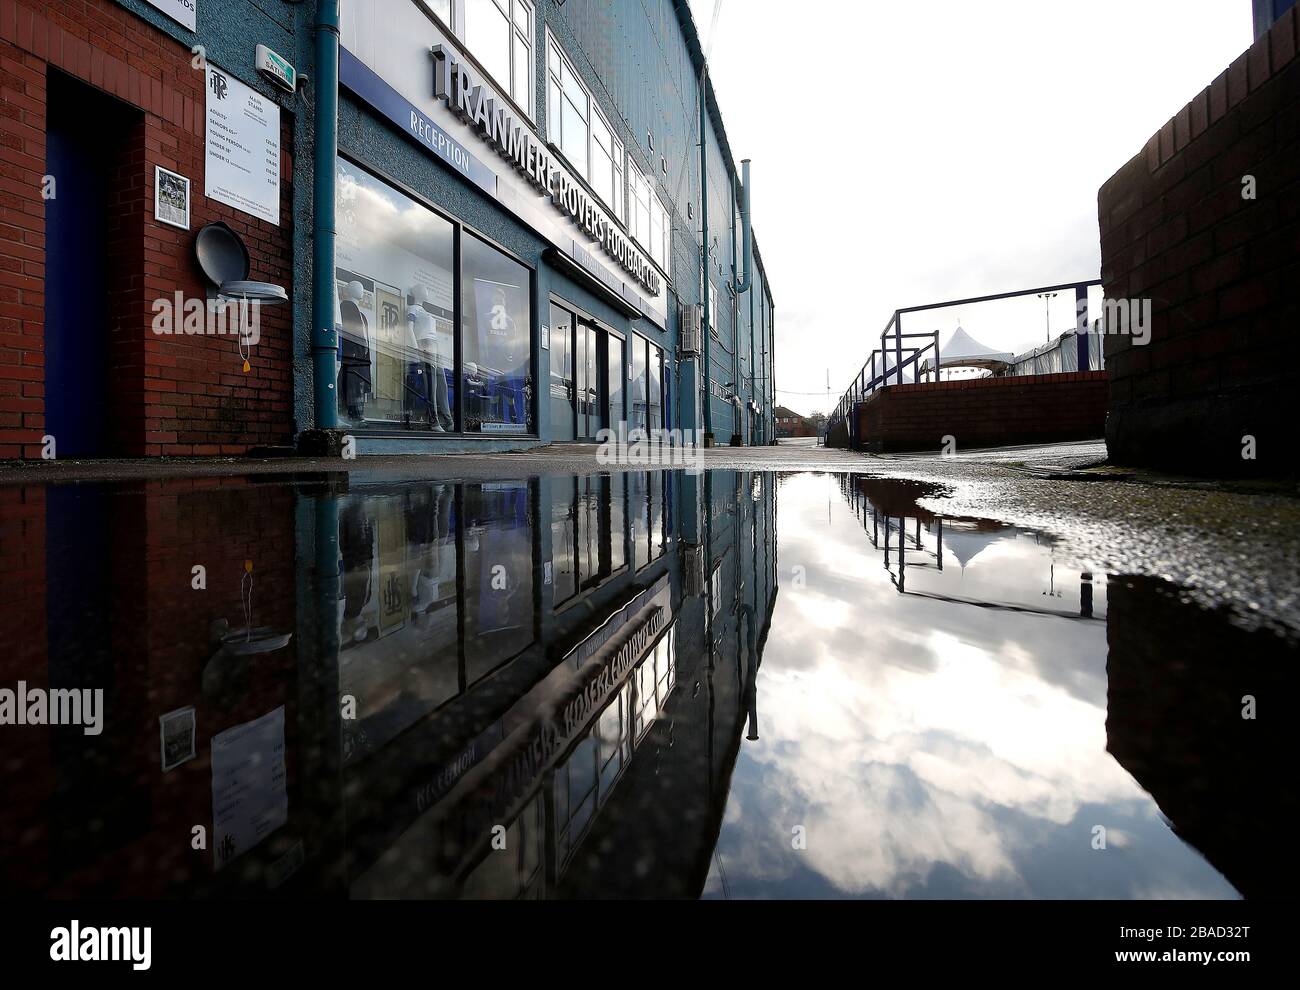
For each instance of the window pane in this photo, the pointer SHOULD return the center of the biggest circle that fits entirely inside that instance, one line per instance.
(656, 244)
(600, 133)
(497, 330)
(574, 91)
(553, 113)
(617, 522)
(653, 394)
(393, 300)
(638, 383)
(617, 374)
(618, 181)
(524, 17)
(523, 74)
(561, 354)
(564, 543)
(487, 35)
(574, 143)
(498, 562)
(602, 173)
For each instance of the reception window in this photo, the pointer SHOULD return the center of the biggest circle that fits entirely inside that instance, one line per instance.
(497, 340)
(415, 354)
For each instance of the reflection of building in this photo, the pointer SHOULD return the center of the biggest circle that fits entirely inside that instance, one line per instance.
(424, 661)
(102, 582)
(615, 728)
(1225, 782)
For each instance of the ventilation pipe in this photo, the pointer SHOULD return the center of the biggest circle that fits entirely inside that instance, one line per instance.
(745, 280)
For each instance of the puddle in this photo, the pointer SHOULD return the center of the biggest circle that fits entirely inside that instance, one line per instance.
(654, 684)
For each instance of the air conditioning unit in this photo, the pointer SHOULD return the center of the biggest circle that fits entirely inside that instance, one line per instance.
(693, 571)
(692, 317)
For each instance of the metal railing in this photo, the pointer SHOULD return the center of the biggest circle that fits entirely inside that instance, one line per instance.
(888, 362)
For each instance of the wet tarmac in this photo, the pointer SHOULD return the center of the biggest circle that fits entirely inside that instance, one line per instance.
(750, 682)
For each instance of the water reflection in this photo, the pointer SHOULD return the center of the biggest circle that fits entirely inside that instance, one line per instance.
(589, 686)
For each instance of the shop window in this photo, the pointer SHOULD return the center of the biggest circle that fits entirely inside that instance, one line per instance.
(398, 331)
(496, 332)
(393, 307)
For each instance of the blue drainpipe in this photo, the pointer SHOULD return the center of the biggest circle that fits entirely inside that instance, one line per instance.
(324, 336)
(743, 282)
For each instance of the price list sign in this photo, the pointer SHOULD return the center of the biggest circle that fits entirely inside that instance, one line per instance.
(243, 147)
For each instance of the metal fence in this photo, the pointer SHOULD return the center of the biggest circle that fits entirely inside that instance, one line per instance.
(899, 357)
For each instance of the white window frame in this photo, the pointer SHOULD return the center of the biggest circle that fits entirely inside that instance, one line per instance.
(556, 57)
(641, 193)
(514, 11)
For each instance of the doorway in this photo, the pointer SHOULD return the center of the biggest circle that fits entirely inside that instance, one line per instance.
(88, 137)
(563, 388)
(587, 358)
(614, 379)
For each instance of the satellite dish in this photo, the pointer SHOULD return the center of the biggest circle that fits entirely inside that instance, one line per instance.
(221, 254)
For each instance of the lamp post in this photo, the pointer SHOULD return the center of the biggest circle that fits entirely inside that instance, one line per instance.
(1047, 300)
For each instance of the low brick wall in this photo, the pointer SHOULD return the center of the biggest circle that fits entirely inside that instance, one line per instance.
(984, 412)
(1222, 271)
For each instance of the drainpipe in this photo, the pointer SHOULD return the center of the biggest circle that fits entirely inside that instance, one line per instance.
(704, 260)
(746, 232)
(324, 336)
(743, 281)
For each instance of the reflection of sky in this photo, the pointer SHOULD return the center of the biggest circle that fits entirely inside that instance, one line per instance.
(932, 748)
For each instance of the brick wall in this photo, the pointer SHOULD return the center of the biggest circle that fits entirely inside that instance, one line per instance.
(984, 412)
(1221, 271)
(167, 395)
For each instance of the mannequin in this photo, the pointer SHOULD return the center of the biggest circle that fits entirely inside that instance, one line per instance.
(354, 350)
(429, 343)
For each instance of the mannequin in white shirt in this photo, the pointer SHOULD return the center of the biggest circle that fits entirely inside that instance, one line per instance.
(431, 344)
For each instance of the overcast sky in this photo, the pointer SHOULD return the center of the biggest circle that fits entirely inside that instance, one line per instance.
(908, 152)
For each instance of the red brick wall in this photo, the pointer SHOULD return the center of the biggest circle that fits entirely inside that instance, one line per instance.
(1222, 273)
(169, 395)
(984, 412)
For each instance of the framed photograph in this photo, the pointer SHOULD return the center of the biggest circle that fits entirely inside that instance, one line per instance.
(171, 198)
(177, 732)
